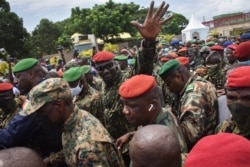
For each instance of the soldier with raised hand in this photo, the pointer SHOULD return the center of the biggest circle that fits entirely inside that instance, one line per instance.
(195, 104)
(86, 142)
(113, 77)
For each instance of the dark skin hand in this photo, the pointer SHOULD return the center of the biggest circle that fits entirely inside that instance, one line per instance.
(151, 27)
(149, 30)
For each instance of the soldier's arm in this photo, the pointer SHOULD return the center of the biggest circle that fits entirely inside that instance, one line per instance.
(18, 130)
(149, 30)
(193, 117)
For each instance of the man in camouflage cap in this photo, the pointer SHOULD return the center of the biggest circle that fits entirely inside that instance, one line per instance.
(143, 106)
(84, 96)
(85, 141)
(195, 104)
(26, 130)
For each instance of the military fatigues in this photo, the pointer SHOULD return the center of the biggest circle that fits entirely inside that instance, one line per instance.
(8, 112)
(196, 109)
(115, 121)
(86, 142)
(229, 126)
(91, 102)
(166, 117)
(97, 83)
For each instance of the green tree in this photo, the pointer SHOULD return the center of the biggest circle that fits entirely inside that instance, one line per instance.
(44, 37)
(111, 18)
(12, 32)
(175, 25)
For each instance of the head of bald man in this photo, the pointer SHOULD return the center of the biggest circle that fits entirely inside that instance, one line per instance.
(155, 145)
(21, 157)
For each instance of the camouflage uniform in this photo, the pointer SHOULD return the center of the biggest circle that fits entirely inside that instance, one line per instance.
(217, 78)
(87, 143)
(97, 83)
(91, 102)
(166, 117)
(229, 126)
(196, 108)
(115, 122)
(8, 112)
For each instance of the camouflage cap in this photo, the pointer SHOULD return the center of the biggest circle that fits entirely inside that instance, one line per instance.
(169, 67)
(49, 90)
(86, 69)
(73, 74)
(25, 65)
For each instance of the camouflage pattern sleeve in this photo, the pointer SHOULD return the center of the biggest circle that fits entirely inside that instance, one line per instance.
(87, 143)
(57, 159)
(92, 102)
(227, 126)
(106, 155)
(198, 112)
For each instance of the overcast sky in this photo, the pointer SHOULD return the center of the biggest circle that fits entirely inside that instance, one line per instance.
(32, 11)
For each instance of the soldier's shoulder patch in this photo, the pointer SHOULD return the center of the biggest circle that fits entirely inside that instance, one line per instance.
(190, 87)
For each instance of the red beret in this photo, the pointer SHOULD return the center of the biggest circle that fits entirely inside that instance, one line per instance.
(103, 56)
(223, 149)
(217, 48)
(164, 59)
(183, 60)
(136, 86)
(243, 50)
(5, 87)
(239, 77)
(173, 55)
(184, 49)
(233, 47)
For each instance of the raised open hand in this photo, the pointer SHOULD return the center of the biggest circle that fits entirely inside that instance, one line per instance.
(153, 22)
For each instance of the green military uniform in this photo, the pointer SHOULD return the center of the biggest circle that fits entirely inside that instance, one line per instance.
(87, 143)
(113, 115)
(196, 108)
(97, 83)
(91, 102)
(166, 117)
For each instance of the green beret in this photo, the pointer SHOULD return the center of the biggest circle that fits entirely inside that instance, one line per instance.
(73, 74)
(121, 58)
(86, 69)
(169, 67)
(211, 43)
(24, 65)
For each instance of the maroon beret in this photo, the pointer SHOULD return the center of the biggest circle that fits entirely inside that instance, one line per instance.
(5, 87)
(103, 56)
(243, 50)
(136, 86)
(217, 48)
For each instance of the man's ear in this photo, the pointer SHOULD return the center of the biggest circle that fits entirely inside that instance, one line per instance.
(32, 74)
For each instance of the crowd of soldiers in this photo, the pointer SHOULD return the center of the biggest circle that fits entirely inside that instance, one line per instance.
(171, 105)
